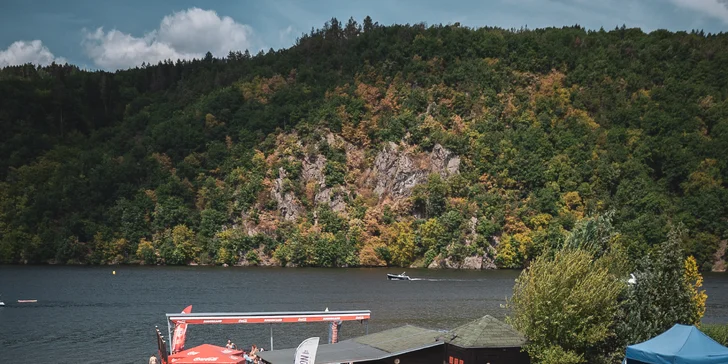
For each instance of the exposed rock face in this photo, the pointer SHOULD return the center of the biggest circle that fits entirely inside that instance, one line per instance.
(473, 234)
(247, 225)
(489, 259)
(397, 171)
(444, 162)
(437, 263)
(474, 262)
(490, 254)
(288, 205)
(392, 175)
(313, 169)
(332, 197)
(718, 258)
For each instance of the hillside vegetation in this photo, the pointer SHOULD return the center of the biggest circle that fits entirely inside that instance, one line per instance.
(371, 145)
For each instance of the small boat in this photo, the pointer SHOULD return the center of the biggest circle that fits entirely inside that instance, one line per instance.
(398, 277)
(2, 303)
(27, 301)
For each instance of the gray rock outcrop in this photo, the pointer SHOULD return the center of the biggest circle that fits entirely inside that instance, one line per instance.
(313, 170)
(473, 262)
(397, 171)
(288, 205)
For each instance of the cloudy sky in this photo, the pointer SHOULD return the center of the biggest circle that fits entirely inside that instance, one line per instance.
(117, 34)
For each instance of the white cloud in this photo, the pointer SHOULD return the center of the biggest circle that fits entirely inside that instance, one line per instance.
(185, 34)
(286, 36)
(713, 8)
(22, 52)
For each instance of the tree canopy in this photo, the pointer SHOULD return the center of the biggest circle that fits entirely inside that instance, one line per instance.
(370, 145)
(578, 305)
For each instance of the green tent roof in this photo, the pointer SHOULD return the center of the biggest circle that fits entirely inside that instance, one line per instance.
(486, 332)
(400, 339)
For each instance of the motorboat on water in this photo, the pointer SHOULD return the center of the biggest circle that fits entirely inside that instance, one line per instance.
(27, 301)
(2, 303)
(398, 277)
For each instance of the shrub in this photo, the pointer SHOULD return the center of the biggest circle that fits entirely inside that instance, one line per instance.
(146, 252)
(252, 257)
(718, 332)
(565, 304)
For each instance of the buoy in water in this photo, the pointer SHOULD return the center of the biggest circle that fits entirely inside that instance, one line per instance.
(113, 272)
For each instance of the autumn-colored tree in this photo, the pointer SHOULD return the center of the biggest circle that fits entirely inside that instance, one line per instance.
(697, 296)
(402, 246)
(433, 236)
(146, 252)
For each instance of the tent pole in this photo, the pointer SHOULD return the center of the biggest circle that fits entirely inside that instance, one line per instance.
(271, 336)
(367, 327)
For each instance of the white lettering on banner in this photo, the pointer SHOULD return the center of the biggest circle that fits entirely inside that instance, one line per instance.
(242, 321)
(213, 358)
(212, 321)
(300, 319)
(306, 351)
(332, 318)
(359, 317)
(227, 351)
(273, 320)
(192, 353)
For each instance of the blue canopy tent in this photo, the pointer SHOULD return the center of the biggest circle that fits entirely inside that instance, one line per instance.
(680, 345)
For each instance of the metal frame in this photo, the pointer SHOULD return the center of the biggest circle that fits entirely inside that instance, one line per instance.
(227, 318)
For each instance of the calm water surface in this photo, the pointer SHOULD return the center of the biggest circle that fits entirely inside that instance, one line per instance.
(86, 314)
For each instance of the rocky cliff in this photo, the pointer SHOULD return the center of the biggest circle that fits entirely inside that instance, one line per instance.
(382, 183)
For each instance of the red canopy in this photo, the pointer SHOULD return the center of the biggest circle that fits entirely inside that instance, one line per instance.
(207, 353)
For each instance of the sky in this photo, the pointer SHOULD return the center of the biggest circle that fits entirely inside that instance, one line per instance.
(119, 34)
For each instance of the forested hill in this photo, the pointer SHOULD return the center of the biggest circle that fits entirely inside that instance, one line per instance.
(371, 145)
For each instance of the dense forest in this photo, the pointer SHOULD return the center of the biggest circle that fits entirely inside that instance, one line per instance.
(371, 145)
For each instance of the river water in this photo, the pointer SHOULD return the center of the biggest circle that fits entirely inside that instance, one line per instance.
(89, 315)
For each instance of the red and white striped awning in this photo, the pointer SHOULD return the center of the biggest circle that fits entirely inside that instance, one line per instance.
(268, 317)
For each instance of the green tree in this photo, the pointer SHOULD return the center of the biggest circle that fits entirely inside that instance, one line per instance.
(229, 244)
(566, 304)
(594, 234)
(177, 246)
(146, 252)
(663, 296)
(183, 239)
(562, 122)
(436, 195)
